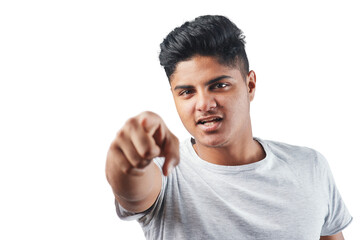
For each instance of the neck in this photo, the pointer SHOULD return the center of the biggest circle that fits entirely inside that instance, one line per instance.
(244, 151)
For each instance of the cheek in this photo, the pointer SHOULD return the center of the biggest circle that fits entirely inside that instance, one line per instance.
(237, 105)
(228, 102)
(185, 110)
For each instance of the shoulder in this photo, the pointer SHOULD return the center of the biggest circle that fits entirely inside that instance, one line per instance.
(299, 156)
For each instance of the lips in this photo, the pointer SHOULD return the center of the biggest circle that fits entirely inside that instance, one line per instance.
(209, 124)
(209, 120)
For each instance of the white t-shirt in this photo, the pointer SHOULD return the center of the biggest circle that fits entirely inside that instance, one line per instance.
(290, 194)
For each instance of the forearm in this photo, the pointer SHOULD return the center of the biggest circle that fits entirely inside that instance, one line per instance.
(338, 236)
(136, 192)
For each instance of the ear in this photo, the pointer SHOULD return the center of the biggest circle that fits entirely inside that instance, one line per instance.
(251, 84)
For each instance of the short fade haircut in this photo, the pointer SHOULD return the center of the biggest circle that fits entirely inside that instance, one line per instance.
(209, 35)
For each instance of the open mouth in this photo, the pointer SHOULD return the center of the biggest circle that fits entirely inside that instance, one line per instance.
(210, 121)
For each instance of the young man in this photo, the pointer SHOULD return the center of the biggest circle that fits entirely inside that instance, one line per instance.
(222, 183)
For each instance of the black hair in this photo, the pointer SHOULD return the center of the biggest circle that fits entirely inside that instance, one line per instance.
(209, 35)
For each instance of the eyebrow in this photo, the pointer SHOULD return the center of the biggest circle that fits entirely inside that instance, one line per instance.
(207, 83)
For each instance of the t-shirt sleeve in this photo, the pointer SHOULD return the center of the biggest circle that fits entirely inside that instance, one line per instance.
(338, 217)
(145, 217)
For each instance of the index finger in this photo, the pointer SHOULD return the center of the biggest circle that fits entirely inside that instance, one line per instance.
(154, 125)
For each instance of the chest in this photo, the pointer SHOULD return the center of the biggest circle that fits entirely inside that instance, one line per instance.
(256, 207)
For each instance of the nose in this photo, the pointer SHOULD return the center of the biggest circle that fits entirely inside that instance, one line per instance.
(205, 102)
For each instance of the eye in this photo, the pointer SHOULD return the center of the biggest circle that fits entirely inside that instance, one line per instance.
(219, 85)
(186, 92)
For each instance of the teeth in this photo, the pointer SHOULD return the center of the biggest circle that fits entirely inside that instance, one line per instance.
(210, 121)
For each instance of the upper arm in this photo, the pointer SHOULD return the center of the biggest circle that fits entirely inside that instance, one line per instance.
(337, 236)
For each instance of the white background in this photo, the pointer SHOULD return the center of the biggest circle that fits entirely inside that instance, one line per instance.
(73, 71)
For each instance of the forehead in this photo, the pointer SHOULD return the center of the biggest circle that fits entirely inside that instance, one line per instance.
(200, 69)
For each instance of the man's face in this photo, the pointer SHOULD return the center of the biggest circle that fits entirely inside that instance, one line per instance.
(212, 100)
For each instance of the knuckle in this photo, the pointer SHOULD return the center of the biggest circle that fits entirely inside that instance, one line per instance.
(150, 152)
(131, 124)
(117, 161)
(121, 134)
(132, 121)
(112, 150)
(114, 145)
(147, 114)
(125, 166)
(146, 153)
(144, 116)
(127, 169)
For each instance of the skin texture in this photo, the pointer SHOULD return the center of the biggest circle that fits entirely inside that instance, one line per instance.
(133, 176)
(213, 102)
(337, 236)
(203, 89)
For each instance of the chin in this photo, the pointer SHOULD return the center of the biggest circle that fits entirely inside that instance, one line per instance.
(212, 141)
